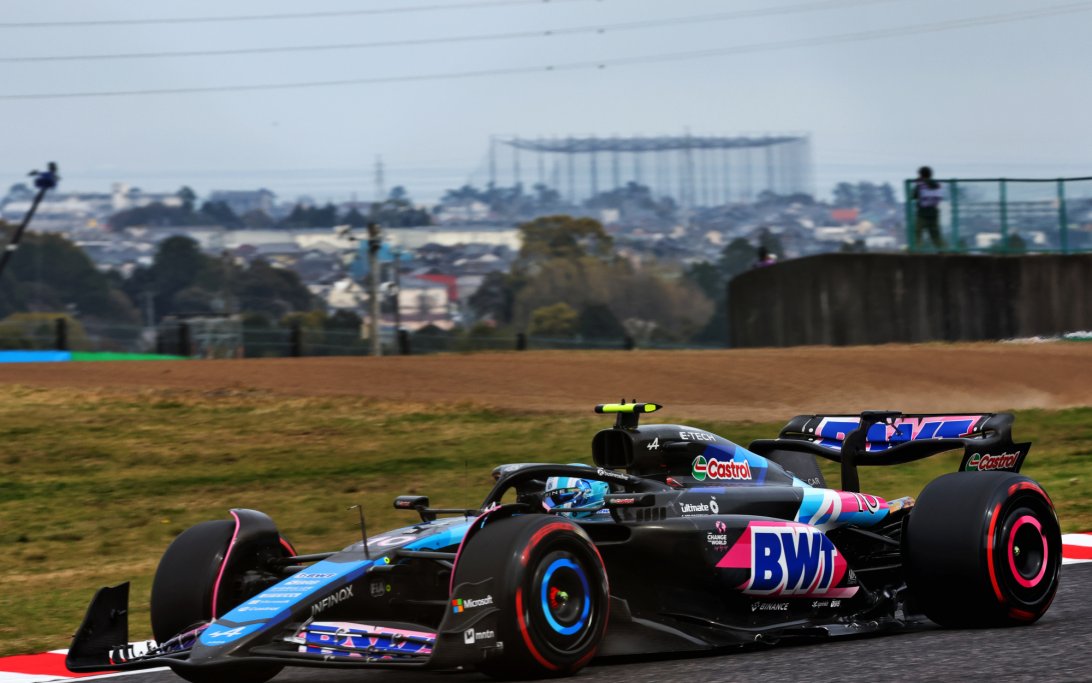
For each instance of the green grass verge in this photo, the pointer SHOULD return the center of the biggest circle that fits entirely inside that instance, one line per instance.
(99, 356)
(96, 484)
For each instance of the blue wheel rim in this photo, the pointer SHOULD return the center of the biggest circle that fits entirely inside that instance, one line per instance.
(544, 596)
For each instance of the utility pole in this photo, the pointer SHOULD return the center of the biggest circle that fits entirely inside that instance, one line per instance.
(149, 308)
(380, 185)
(373, 285)
(515, 162)
(492, 161)
(397, 291)
(44, 181)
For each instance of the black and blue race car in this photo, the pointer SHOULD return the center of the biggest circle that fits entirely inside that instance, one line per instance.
(675, 540)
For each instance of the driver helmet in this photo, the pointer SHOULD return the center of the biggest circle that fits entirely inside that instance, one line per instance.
(564, 493)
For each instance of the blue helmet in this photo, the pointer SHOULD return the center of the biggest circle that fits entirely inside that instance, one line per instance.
(564, 493)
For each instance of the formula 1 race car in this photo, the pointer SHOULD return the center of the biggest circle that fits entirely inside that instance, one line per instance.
(675, 540)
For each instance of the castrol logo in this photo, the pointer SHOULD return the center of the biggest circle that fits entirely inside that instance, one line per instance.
(716, 469)
(1001, 461)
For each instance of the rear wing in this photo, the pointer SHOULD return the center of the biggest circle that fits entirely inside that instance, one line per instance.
(892, 438)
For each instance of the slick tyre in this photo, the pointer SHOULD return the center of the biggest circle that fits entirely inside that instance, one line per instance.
(183, 585)
(983, 549)
(187, 583)
(552, 591)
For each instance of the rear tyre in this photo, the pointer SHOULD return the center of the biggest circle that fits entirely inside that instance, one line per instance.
(183, 591)
(983, 549)
(553, 594)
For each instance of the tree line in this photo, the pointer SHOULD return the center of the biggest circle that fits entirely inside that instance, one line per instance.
(50, 273)
(568, 281)
(396, 211)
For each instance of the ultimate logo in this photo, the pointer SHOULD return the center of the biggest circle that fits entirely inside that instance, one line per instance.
(715, 469)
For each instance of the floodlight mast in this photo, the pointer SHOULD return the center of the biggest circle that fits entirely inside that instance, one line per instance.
(44, 181)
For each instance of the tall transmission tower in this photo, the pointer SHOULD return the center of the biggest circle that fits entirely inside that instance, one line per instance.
(380, 186)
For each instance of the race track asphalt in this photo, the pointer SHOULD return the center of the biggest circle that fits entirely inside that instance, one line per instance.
(1054, 649)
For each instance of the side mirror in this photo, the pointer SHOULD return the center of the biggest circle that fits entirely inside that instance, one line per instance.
(410, 502)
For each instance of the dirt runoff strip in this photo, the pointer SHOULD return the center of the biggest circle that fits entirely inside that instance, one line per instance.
(743, 384)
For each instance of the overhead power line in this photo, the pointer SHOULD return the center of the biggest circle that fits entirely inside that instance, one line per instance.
(513, 35)
(467, 4)
(857, 36)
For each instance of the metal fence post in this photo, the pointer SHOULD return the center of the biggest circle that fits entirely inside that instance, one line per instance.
(1063, 218)
(295, 339)
(955, 214)
(521, 342)
(184, 346)
(403, 342)
(61, 334)
(1004, 216)
(911, 241)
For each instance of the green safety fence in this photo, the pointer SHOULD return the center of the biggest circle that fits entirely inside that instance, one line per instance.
(1007, 216)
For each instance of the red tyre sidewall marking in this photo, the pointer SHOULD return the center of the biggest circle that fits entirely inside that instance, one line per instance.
(1030, 486)
(1021, 614)
(989, 555)
(550, 666)
(538, 536)
(287, 546)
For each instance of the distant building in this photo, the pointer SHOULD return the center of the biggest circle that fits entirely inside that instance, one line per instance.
(245, 201)
(449, 281)
(123, 197)
(344, 294)
(424, 302)
(845, 216)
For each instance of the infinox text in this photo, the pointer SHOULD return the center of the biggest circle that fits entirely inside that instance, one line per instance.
(331, 600)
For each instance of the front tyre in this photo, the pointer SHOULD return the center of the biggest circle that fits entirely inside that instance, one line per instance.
(554, 594)
(207, 570)
(983, 549)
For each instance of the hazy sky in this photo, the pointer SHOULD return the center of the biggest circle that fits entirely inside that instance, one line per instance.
(986, 100)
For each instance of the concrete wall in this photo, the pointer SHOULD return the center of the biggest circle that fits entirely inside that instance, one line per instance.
(843, 299)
